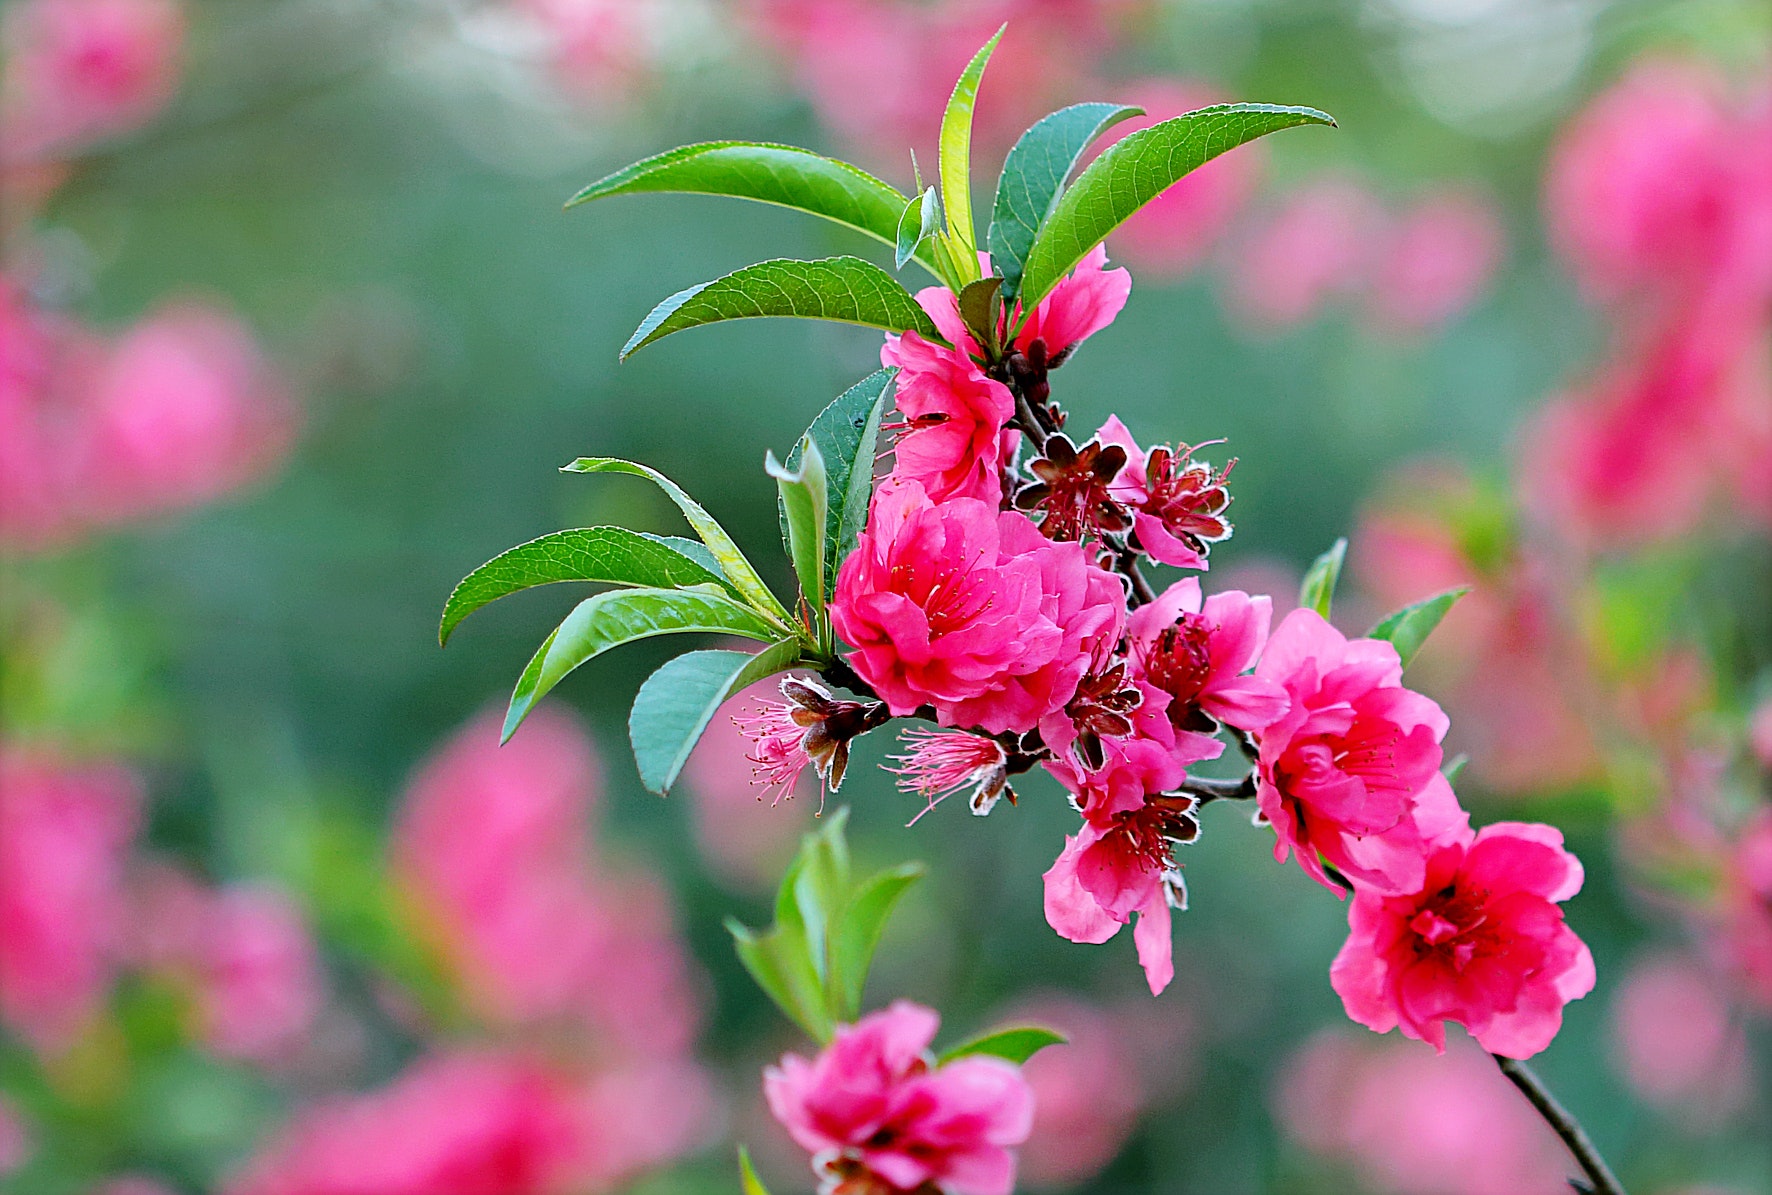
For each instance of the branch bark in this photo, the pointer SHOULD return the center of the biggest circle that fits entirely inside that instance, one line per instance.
(1600, 1179)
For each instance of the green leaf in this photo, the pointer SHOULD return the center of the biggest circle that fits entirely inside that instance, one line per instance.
(1034, 174)
(1408, 628)
(920, 221)
(1454, 767)
(778, 961)
(846, 433)
(955, 165)
(805, 505)
(692, 548)
(1132, 172)
(979, 310)
(732, 562)
(783, 175)
(1017, 1045)
(1317, 592)
(863, 921)
(749, 1183)
(676, 703)
(609, 554)
(846, 290)
(607, 620)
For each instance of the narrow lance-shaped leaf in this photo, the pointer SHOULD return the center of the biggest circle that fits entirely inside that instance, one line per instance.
(847, 433)
(677, 702)
(805, 503)
(858, 934)
(956, 162)
(845, 290)
(613, 555)
(732, 561)
(1454, 767)
(979, 310)
(620, 616)
(1317, 592)
(1132, 172)
(1408, 628)
(749, 1183)
(1017, 1045)
(1033, 175)
(920, 221)
(782, 175)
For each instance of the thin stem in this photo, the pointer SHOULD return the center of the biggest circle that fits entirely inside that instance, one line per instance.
(1209, 789)
(1600, 1179)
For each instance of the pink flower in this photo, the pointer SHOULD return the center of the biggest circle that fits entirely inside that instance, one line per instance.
(490, 1123)
(1639, 186)
(873, 1104)
(1413, 1124)
(1436, 261)
(1747, 901)
(971, 611)
(743, 838)
(1675, 1042)
(1351, 771)
(1087, 1096)
(942, 762)
(1173, 232)
(45, 362)
(1759, 733)
(599, 48)
(1083, 303)
(1197, 650)
(490, 843)
(245, 954)
(1316, 246)
(1152, 759)
(1121, 865)
(1480, 942)
(185, 410)
(83, 69)
(64, 835)
(1178, 503)
(952, 442)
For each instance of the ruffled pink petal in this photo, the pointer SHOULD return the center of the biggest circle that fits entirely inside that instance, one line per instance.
(1524, 857)
(1070, 909)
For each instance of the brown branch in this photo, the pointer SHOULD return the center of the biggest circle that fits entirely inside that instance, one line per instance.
(1600, 1179)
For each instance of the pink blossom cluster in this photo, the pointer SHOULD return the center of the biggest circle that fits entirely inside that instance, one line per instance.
(583, 1075)
(79, 909)
(1411, 268)
(77, 71)
(1659, 197)
(179, 410)
(989, 593)
(879, 1114)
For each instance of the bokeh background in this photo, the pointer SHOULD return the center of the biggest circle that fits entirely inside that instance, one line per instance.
(296, 333)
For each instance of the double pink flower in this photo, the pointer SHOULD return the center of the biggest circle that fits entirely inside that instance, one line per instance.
(971, 611)
(877, 1112)
(1479, 940)
(1350, 772)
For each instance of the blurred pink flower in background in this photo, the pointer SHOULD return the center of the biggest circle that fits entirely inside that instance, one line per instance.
(1675, 1041)
(180, 410)
(1172, 234)
(245, 954)
(915, 51)
(1087, 1093)
(494, 847)
(185, 409)
(600, 49)
(489, 1123)
(874, 1110)
(1747, 908)
(65, 832)
(1436, 259)
(1640, 187)
(1318, 244)
(1759, 733)
(78, 70)
(1413, 1123)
